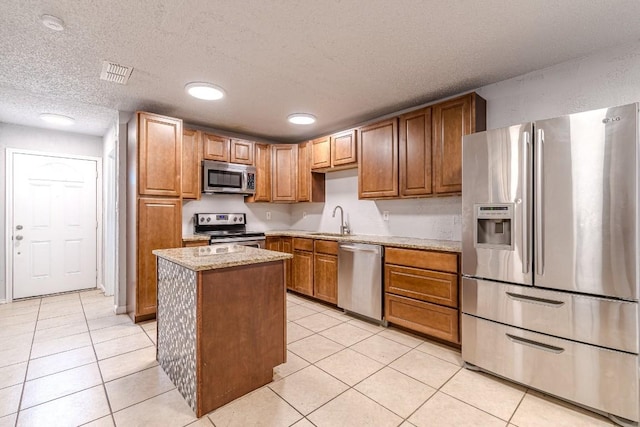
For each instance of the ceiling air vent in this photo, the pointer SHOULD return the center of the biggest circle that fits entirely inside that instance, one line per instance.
(116, 73)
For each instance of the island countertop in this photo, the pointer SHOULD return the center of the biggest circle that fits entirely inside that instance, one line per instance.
(213, 257)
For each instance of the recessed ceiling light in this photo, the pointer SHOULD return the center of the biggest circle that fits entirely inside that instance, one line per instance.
(301, 119)
(57, 119)
(52, 22)
(206, 91)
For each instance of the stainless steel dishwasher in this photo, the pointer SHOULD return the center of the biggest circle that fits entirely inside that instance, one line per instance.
(360, 279)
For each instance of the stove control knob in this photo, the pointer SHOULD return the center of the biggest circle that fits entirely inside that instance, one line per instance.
(235, 218)
(201, 219)
(209, 219)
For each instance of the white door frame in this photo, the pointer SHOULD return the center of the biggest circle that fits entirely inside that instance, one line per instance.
(9, 212)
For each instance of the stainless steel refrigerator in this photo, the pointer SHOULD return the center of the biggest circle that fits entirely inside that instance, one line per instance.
(550, 256)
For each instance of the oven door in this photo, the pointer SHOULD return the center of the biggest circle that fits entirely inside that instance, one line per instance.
(253, 243)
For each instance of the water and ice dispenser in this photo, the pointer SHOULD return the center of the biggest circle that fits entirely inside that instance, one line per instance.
(494, 226)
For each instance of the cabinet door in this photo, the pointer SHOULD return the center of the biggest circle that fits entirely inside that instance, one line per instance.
(160, 155)
(321, 153)
(273, 243)
(241, 152)
(287, 247)
(304, 173)
(263, 173)
(415, 153)
(283, 162)
(215, 147)
(451, 121)
(378, 160)
(325, 277)
(159, 227)
(303, 272)
(191, 168)
(344, 149)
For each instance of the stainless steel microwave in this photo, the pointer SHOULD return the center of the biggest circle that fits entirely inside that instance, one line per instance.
(221, 177)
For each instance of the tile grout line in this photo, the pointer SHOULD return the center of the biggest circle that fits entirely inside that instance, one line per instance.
(518, 406)
(26, 372)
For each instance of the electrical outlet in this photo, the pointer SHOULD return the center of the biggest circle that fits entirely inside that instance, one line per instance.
(304, 214)
(268, 215)
(385, 215)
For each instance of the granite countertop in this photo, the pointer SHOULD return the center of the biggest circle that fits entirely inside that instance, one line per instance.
(219, 256)
(195, 238)
(399, 242)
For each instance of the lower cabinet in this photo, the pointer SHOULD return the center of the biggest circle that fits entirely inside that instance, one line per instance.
(282, 244)
(194, 243)
(325, 271)
(303, 266)
(421, 292)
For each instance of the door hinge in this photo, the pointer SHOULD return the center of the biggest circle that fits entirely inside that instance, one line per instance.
(96, 225)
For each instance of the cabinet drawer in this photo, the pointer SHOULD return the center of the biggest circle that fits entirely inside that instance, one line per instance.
(302, 244)
(422, 259)
(599, 321)
(437, 321)
(603, 379)
(193, 243)
(425, 285)
(326, 247)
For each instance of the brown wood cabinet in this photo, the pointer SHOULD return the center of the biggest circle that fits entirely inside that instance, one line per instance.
(415, 153)
(215, 147)
(263, 174)
(421, 291)
(159, 142)
(378, 160)
(194, 243)
(302, 280)
(325, 271)
(344, 149)
(310, 186)
(241, 151)
(451, 121)
(282, 244)
(159, 227)
(283, 173)
(191, 170)
(321, 153)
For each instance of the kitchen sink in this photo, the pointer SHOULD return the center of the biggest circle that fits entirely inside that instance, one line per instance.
(329, 234)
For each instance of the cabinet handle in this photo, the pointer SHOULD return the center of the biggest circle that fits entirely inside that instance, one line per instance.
(535, 300)
(535, 344)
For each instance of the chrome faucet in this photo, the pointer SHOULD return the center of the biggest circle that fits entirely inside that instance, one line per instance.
(344, 228)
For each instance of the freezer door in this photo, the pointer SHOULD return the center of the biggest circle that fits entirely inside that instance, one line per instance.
(586, 202)
(496, 204)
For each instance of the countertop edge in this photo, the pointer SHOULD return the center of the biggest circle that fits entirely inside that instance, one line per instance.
(218, 261)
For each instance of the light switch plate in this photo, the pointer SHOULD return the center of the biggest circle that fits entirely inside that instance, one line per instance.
(385, 215)
(304, 214)
(268, 215)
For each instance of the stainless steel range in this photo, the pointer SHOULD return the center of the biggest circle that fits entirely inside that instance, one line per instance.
(227, 228)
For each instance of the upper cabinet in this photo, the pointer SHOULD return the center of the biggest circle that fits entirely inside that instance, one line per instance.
(310, 186)
(284, 159)
(241, 151)
(415, 153)
(191, 146)
(160, 155)
(378, 160)
(263, 174)
(451, 121)
(344, 149)
(335, 152)
(215, 147)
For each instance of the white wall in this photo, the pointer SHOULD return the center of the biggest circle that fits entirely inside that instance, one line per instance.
(231, 203)
(109, 195)
(43, 140)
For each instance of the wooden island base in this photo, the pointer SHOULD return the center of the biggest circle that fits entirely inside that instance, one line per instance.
(220, 332)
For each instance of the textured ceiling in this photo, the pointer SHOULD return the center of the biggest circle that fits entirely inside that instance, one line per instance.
(344, 61)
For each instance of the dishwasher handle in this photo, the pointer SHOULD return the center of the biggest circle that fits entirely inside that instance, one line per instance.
(359, 249)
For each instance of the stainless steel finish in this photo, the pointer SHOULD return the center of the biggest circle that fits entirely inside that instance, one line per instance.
(492, 226)
(344, 228)
(227, 228)
(247, 174)
(360, 279)
(535, 344)
(604, 322)
(602, 379)
(255, 243)
(19, 237)
(239, 240)
(539, 261)
(590, 203)
(219, 219)
(491, 174)
(524, 184)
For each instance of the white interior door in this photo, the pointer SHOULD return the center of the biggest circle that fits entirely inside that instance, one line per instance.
(54, 224)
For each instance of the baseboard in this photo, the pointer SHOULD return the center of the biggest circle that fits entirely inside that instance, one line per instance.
(101, 288)
(3, 301)
(121, 309)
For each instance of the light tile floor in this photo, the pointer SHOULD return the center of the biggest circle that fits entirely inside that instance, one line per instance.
(67, 360)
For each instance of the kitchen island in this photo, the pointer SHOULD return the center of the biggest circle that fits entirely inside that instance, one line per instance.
(221, 320)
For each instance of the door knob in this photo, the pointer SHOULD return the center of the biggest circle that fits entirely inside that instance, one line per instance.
(18, 237)
(18, 227)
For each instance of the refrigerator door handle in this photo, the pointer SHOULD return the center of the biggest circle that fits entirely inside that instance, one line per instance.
(539, 243)
(535, 344)
(525, 203)
(535, 300)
